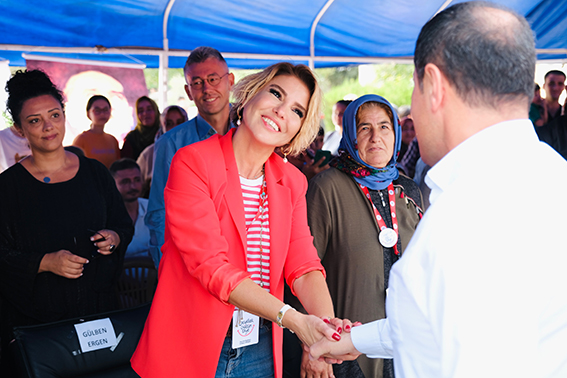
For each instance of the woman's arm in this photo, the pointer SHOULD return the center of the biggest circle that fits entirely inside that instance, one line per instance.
(251, 298)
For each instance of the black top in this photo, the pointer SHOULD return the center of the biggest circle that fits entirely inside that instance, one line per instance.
(38, 218)
(555, 134)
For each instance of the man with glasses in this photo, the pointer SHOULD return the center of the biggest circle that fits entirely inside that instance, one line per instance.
(208, 85)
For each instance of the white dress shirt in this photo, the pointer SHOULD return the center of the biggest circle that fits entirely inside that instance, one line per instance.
(482, 287)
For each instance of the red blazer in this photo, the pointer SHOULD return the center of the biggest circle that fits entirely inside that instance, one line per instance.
(204, 257)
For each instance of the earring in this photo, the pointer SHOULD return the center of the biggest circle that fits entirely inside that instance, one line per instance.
(238, 122)
(285, 158)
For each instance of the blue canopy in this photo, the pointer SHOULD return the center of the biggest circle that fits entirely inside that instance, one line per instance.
(250, 33)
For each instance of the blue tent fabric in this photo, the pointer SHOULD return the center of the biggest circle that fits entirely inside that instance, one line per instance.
(351, 30)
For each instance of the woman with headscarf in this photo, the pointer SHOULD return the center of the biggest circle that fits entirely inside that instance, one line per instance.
(147, 113)
(362, 213)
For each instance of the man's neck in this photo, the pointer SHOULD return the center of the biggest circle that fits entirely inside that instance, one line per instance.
(552, 105)
(132, 208)
(219, 122)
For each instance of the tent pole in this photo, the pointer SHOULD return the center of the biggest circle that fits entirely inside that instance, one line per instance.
(162, 89)
(312, 34)
(164, 59)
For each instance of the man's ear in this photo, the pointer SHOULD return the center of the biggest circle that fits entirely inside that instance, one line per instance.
(231, 79)
(188, 91)
(434, 86)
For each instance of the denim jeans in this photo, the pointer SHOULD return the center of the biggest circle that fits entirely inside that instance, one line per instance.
(255, 361)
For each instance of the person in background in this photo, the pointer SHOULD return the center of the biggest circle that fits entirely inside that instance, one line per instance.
(95, 143)
(333, 139)
(362, 214)
(171, 117)
(13, 147)
(408, 134)
(554, 85)
(147, 114)
(538, 108)
(128, 179)
(480, 291)
(208, 85)
(305, 160)
(227, 251)
(63, 226)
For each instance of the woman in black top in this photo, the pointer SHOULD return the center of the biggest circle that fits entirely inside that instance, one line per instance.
(63, 226)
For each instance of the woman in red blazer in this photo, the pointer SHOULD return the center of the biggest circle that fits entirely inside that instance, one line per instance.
(236, 227)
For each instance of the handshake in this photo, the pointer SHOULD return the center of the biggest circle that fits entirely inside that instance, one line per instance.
(329, 339)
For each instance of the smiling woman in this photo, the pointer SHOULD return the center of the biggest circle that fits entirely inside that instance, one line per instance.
(64, 230)
(236, 228)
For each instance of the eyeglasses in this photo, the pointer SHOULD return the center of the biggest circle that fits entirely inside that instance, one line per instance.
(99, 111)
(213, 80)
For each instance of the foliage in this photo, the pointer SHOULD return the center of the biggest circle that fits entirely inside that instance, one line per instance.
(392, 81)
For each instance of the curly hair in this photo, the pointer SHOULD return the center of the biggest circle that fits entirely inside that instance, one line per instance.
(25, 85)
(251, 85)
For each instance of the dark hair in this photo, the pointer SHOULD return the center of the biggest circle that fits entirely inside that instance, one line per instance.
(156, 110)
(95, 98)
(554, 72)
(200, 54)
(122, 164)
(343, 102)
(321, 131)
(488, 63)
(536, 87)
(25, 85)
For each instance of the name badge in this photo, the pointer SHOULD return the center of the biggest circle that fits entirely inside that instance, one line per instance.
(245, 329)
(95, 335)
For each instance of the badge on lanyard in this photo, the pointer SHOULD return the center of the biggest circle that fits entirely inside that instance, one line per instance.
(388, 237)
(245, 329)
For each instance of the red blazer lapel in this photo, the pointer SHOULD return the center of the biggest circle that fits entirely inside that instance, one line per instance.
(233, 192)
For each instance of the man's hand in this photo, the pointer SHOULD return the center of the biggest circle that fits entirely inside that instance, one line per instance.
(334, 351)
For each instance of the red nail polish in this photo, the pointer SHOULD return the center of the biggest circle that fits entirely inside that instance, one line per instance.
(326, 321)
(339, 330)
(336, 336)
(347, 327)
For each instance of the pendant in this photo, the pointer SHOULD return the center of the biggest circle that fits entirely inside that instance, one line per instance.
(46, 179)
(388, 237)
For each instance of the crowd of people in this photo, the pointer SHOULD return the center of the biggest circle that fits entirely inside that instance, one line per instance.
(275, 241)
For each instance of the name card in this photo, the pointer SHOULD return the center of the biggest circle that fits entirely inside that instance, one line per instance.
(96, 334)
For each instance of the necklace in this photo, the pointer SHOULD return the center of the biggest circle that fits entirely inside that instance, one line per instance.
(47, 179)
(256, 176)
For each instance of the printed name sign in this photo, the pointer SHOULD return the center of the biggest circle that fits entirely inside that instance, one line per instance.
(95, 335)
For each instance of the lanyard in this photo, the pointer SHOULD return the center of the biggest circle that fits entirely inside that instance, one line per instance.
(380, 220)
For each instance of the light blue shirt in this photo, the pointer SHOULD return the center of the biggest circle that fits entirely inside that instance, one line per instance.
(192, 131)
(141, 241)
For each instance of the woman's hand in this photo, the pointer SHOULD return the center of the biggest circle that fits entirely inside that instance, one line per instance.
(106, 241)
(309, 328)
(311, 368)
(312, 168)
(63, 263)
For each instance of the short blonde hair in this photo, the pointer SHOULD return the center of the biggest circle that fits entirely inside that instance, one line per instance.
(251, 85)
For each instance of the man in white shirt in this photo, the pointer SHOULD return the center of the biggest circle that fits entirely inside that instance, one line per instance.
(128, 178)
(480, 290)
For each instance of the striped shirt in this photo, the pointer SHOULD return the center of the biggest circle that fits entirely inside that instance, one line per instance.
(257, 232)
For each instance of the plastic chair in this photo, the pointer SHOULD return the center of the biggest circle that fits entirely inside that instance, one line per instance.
(138, 282)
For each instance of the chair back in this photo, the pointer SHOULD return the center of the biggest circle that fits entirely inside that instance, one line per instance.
(138, 281)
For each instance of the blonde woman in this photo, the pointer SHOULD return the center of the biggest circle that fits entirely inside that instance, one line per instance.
(236, 228)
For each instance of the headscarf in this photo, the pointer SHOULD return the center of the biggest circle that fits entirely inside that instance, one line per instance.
(349, 160)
